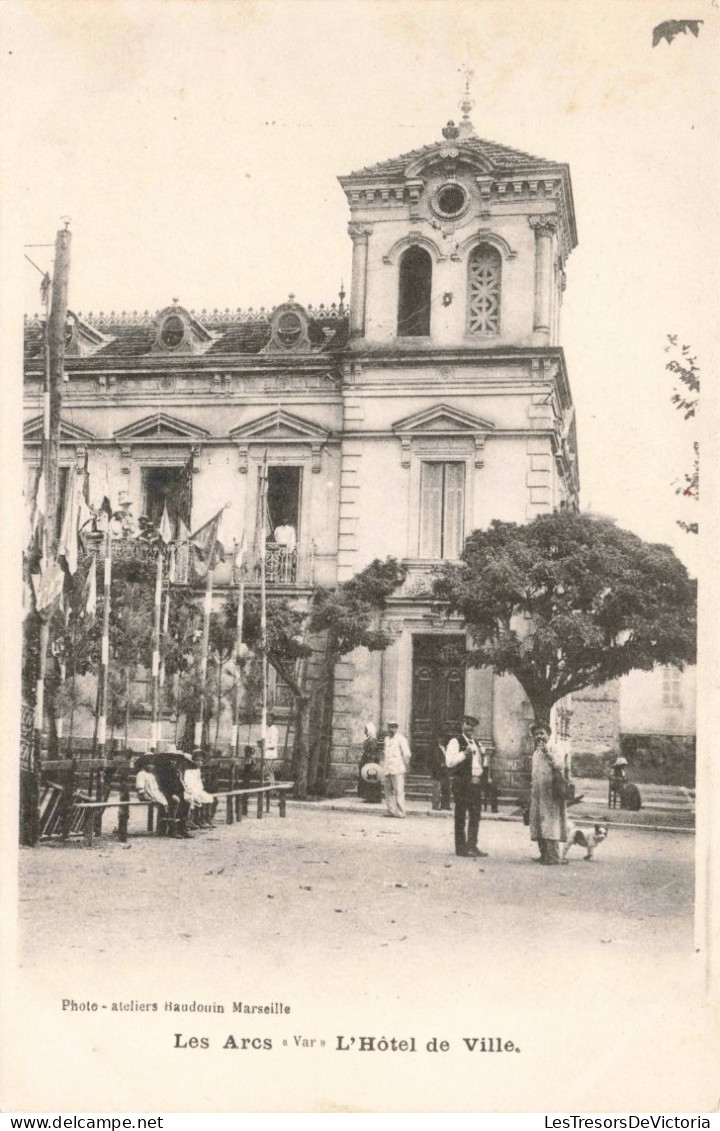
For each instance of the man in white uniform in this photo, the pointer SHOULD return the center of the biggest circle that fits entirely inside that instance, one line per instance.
(396, 759)
(271, 750)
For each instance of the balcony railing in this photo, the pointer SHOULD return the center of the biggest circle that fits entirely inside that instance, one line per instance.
(283, 566)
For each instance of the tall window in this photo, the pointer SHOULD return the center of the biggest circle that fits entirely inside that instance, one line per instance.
(415, 293)
(161, 486)
(283, 499)
(484, 282)
(671, 688)
(442, 505)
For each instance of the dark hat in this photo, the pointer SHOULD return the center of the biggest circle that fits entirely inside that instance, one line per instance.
(471, 720)
(540, 726)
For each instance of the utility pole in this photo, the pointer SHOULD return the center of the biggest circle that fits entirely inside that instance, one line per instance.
(52, 405)
(55, 376)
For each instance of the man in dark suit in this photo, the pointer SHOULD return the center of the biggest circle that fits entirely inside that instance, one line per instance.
(465, 757)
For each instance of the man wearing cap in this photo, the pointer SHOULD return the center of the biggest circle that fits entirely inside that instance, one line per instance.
(466, 760)
(548, 820)
(396, 759)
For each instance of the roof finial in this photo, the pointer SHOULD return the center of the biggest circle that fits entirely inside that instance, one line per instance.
(467, 102)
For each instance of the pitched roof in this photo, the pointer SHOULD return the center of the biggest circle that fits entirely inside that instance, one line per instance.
(500, 156)
(247, 332)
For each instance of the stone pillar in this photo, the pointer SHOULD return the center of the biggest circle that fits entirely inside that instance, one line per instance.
(359, 235)
(544, 228)
(389, 675)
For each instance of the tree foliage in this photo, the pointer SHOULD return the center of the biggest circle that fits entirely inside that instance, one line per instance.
(686, 398)
(569, 601)
(350, 612)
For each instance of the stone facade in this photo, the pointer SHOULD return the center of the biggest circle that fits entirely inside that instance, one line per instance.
(437, 402)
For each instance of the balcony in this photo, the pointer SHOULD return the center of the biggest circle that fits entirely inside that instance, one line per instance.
(283, 565)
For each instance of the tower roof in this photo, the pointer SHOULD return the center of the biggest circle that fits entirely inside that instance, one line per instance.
(497, 157)
(501, 173)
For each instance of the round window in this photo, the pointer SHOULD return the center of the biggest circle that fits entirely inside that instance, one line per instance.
(289, 328)
(450, 200)
(172, 332)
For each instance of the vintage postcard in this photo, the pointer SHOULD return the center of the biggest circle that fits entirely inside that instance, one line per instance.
(358, 717)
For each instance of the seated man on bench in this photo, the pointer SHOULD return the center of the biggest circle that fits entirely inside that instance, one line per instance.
(146, 785)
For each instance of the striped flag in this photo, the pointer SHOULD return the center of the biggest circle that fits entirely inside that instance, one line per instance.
(207, 550)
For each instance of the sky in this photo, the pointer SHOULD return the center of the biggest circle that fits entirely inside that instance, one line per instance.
(195, 146)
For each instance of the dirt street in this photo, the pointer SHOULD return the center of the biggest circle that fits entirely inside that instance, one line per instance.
(362, 924)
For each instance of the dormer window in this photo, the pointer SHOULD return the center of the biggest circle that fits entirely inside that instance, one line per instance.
(293, 330)
(172, 332)
(289, 329)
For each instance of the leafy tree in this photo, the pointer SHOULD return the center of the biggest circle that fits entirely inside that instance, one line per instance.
(686, 398)
(569, 601)
(350, 616)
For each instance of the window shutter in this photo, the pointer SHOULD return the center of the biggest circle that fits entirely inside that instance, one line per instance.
(431, 499)
(453, 510)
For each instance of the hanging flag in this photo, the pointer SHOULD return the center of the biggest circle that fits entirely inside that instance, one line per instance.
(238, 564)
(68, 544)
(182, 557)
(180, 498)
(39, 510)
(207, 551)
(166, 531)
(48, 587)
(91, 589)
(101, 493)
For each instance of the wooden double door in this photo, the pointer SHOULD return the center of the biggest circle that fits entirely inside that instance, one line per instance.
(438, 695)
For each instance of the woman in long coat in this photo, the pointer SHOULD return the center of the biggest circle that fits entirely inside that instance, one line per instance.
(548, 820)
(370, 791)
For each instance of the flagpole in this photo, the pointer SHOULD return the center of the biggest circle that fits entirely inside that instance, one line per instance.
(105, 646)
(155, 724)
(166, 616)
(263, 623)
(205, 645)
(45, 624)
(235, 744)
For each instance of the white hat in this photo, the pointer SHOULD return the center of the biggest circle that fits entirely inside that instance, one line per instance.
(370, 772)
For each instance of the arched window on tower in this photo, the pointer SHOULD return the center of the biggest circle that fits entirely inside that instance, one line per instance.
(414, 293)
(484, 285)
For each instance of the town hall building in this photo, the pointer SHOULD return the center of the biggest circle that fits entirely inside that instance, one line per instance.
(436, 401)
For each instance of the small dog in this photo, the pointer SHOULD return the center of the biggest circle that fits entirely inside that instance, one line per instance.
(586, 838)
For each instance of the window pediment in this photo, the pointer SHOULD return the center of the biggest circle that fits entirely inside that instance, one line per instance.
(160, 426)
(441, 418)
(279, 425)
(442, 421)
(33, 431)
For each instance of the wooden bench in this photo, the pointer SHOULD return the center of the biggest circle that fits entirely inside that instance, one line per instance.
(236, 806)
(237, 799)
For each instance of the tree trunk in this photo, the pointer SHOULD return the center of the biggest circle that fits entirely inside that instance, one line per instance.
(301, 753)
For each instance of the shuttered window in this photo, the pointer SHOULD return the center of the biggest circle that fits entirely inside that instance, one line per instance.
(442, 504)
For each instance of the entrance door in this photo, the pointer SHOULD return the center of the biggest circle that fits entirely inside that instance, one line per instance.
(438, 695)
